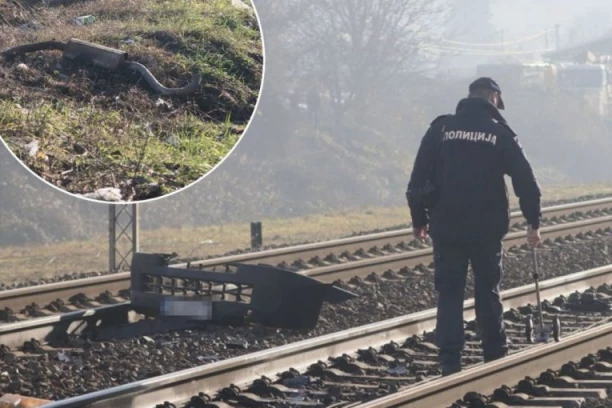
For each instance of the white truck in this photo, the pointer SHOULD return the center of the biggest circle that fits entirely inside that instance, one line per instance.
(586, 81)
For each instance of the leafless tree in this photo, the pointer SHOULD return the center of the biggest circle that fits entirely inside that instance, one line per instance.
(277, 19)
(354, 47)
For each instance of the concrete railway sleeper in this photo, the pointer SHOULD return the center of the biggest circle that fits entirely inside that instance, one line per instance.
(362, 376)
(363, 364)
(574, 373)
(583, 382)
(15, 307)
(295, 257)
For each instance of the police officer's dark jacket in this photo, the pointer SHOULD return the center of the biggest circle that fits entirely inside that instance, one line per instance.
(465, 157)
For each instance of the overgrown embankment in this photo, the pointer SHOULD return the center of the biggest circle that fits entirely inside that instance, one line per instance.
(82, 127)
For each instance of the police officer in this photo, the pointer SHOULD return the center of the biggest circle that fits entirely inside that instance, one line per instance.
(457, 189)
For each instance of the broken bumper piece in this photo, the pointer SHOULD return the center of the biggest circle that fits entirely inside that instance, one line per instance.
(260, 294)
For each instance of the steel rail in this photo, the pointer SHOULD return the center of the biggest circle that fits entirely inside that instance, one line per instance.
(178, 387)
(59, 326)
(321, 249)
(424, 256)
(46, 328)
(486, 378)
(17, 299)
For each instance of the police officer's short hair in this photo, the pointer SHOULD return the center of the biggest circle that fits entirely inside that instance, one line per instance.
(481, 92)
(484, 87)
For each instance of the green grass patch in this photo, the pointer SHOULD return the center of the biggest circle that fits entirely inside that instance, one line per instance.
(93, 128)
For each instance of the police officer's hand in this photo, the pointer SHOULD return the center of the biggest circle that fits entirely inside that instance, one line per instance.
(420, 232)
(533, 236)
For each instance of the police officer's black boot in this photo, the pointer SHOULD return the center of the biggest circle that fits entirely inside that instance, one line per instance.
(450, 369)
(488, 357)
(450, 362)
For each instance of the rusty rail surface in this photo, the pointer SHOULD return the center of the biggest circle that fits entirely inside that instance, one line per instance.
(114, 283)
(180, 386)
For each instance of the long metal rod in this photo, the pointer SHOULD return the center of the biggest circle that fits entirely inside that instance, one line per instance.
(536, 277)
(180, 386)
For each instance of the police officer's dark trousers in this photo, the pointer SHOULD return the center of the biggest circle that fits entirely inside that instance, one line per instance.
(451, 265)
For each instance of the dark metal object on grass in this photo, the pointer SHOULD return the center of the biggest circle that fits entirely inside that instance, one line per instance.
(103, 57)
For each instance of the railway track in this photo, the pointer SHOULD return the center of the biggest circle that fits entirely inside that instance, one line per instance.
(385, 364)
(564, 375)
(325, 260)
(61, 321)
(295, 256)
(47, 326)
(391, 264)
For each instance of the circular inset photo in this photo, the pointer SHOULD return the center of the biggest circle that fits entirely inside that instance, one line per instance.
(127, 100)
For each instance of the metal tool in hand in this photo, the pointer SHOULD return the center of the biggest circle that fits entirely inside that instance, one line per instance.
(103, 57)
(542, 332)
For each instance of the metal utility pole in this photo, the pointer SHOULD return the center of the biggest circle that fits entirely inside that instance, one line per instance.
(123, 231)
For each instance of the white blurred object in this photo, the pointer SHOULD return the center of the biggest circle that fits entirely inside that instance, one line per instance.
(239, 4)
(33, 148)
(173, 140)
(105, 194)
(63, 357)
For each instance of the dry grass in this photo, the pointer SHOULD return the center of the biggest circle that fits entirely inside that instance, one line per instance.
(34, 262)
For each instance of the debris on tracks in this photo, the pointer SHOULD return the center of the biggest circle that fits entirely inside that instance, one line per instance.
(262, 294)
